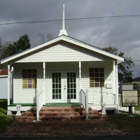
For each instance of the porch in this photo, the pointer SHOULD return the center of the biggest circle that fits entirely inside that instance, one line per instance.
(62, 111)
(67, 83)
(82, 104)
(61, 82)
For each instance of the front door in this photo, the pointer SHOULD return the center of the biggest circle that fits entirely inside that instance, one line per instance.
(64, 86)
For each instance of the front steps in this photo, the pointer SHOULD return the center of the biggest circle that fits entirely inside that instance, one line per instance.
(57, 113)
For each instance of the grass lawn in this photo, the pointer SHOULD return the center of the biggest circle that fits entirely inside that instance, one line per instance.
(5, 120)
(125, 123)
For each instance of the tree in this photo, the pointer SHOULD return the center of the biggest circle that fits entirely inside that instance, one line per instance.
(4, 49)
(136, 79)
(22, 44)
(124, 72)
(43, 37)
(9, 49)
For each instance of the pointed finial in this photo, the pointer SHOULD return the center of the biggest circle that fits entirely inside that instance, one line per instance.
(63, 23)
(63, 31)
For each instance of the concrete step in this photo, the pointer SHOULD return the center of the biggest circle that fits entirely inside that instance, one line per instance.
(57, 113)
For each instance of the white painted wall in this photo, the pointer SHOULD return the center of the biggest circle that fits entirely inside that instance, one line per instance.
(62, 56)
(94, 94)
(28, 95)
(3, 86)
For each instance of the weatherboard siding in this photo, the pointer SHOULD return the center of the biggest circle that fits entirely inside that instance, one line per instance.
(61, 53)
(94, 94)
(3, 87)
(26, 95)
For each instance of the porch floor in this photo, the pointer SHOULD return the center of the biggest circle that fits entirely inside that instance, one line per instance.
(23, 104)
(48, 104)
(62, 104)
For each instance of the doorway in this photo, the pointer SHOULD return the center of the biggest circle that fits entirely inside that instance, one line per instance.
(64, 86)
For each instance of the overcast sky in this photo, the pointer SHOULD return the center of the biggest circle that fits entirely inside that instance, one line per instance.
(122, 32)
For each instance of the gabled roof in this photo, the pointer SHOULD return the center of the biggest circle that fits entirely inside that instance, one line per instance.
(66, 39)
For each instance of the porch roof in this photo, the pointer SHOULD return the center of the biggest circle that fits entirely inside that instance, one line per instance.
(66, 39)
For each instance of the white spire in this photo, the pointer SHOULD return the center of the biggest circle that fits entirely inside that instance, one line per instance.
(63, 31)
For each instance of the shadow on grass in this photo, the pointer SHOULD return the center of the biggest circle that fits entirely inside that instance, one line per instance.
(3, 103)
(5, 120)
(131, 125)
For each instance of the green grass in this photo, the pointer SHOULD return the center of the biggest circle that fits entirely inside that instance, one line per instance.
(128, 124)
(5, 120)
(23, 104)
(3, 103)
(62, 104)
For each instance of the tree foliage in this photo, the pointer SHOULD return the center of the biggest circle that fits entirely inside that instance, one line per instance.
(20, 45)
(124, 72)
(136, 79)
(4, 51)
(43, 37)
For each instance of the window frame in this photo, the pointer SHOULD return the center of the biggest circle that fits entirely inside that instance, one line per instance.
(96, 77)
(29, 78)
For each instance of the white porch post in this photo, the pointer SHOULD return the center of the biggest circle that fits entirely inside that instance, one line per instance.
(11, 88)
(79, 76)
(8, 86)
(115, 91)
(44, 77)
(116, 77)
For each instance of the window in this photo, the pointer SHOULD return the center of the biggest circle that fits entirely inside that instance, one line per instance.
(29, 77)
(96, 77)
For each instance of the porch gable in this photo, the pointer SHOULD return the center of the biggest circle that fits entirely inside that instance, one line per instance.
(63, 52)
(73, 42)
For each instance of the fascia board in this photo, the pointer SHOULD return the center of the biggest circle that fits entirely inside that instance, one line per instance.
(3, 75)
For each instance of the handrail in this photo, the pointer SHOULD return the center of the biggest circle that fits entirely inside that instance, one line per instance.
(84, 101)
(104, 92)
(83, 98)
(39, 98)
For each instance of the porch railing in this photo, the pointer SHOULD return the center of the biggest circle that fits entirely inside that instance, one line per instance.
(105, 97)
(84, 101)
(40, 98)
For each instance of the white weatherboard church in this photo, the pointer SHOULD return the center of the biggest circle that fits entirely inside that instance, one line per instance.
(61, 71)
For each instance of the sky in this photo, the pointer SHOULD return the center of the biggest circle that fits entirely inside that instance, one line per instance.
(122, 32)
